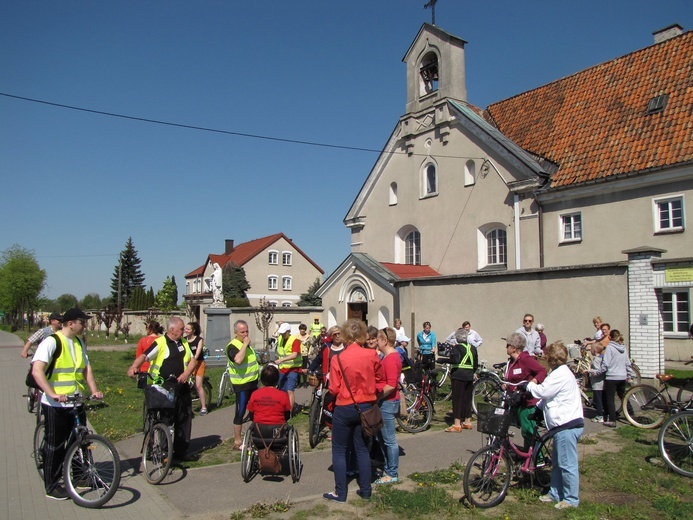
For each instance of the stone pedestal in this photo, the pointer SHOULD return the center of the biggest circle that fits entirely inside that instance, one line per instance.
(218, 330)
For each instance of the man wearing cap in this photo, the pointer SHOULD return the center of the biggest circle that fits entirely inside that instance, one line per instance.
(55, 319)
(61, 368)
(171, 359)
(244, 371)
(316, 327)
(289, 360)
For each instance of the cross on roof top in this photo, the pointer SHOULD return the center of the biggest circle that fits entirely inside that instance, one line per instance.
(432, 5)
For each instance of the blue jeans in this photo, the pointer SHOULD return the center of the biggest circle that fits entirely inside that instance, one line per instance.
(565, 477)
(346, 426)
(288, 381)
(387, 438)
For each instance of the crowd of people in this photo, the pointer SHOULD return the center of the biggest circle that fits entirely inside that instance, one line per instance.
(361, 367)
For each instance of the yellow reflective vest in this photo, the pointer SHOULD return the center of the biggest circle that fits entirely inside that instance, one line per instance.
(246, 372)
(161, 342)
(68, 374)
(284, 349)
(467, 358)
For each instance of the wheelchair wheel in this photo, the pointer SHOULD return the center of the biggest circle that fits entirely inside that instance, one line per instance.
(248, 456)
(294, 456)
(315, 422)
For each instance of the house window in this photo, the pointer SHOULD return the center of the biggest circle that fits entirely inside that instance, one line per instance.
(496, 247)
(571, 227)
(286, 258)
(286, 304)
(657, 104)
(676, 311)
(273, 258)
(412, 248)
(393, 194)
(272, 303)
(272, 282)
(669, 214)
(187, 287)
(286, 283)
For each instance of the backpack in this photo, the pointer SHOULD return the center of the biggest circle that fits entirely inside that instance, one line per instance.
(30, 381)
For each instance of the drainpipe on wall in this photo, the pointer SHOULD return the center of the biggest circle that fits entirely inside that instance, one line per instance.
(541, 235)
(516, 215)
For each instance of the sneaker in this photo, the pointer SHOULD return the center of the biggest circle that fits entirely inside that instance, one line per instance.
(564, 505)
(363, 495)
(609, 424)
(333, 497)
(84, 483)
(598, 418)
(546, 499)
(58, 493)
(386, 479)
(203, 411)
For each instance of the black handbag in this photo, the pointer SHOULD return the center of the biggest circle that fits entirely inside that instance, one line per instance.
(371, 419)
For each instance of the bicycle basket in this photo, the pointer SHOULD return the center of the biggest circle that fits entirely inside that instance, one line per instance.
(574, 351)
(493, 420)
(157, 397)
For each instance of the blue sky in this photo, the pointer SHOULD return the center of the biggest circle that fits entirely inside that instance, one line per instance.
(76, 185)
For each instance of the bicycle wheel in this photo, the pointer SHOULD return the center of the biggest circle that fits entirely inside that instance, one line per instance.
(676, 443)
(157, 455)
(487, 390)
(39, 443)
(248, 457)
(91, 471)
(419, 413)
(315, 422)
(543, 463)
(636, 377)
(223, 384)
(487, 477)
(685, 393)
(645, 407)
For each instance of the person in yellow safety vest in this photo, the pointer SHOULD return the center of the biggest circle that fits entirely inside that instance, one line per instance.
(65, 358)
(289, 360)
(316, 327)
(244, 371)
(171, 358)
(462, 380)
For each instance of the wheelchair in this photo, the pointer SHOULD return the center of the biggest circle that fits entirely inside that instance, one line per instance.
(284, 443)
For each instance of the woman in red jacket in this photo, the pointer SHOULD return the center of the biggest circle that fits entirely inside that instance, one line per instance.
(356, 377)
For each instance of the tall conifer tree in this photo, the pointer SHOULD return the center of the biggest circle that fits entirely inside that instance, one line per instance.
(130, 276)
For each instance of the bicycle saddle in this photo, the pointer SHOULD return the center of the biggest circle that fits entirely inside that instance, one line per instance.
(664, 377)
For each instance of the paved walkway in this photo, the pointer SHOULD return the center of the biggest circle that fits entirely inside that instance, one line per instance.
(211, 492)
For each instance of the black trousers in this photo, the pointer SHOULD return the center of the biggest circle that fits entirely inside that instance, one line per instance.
(462, 394)
(58, 426)
(611, 389)
(182, 420)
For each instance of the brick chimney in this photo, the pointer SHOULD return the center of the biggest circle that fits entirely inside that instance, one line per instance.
(667, 33)
(229, 247)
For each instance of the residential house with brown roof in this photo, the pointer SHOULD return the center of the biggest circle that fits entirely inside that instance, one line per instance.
(567, 201)
(276, 269)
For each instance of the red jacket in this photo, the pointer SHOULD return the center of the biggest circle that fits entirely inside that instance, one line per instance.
(524, 368)
(363, 371)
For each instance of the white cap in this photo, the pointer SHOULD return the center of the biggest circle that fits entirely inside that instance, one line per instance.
(284, 327)
(404, 338)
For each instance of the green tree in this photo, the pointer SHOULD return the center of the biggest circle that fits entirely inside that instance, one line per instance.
(173, 279)
(166, 297)
(21, 283)
(150, 297)
(138, 299)
(66, 301)
(90, 301)
(130, 275)
(234, 285)
(308, 298)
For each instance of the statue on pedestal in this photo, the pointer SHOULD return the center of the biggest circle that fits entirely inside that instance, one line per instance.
(217, 295)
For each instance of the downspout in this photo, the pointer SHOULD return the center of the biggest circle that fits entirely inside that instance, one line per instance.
(541, 235)
(516, 215)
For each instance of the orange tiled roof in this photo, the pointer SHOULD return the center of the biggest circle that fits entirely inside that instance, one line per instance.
(593, 124)
(197, 272)
(410, 271)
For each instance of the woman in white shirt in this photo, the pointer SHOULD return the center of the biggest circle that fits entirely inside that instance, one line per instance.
(562, 406)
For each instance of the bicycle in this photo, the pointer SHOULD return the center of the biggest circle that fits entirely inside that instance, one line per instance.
(225, 385)
(91, 469)
(490, 469)
(675, 443)
(420, 408)
(647, 407)
(157, 445)
(443, 393)
(488, 385)
(317, 417)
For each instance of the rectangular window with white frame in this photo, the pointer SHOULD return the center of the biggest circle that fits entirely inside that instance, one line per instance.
(286, 283)
(669, 215)
(676, 312)
(286, 258)
(273, 257)
(272, 283)
(571, 227)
